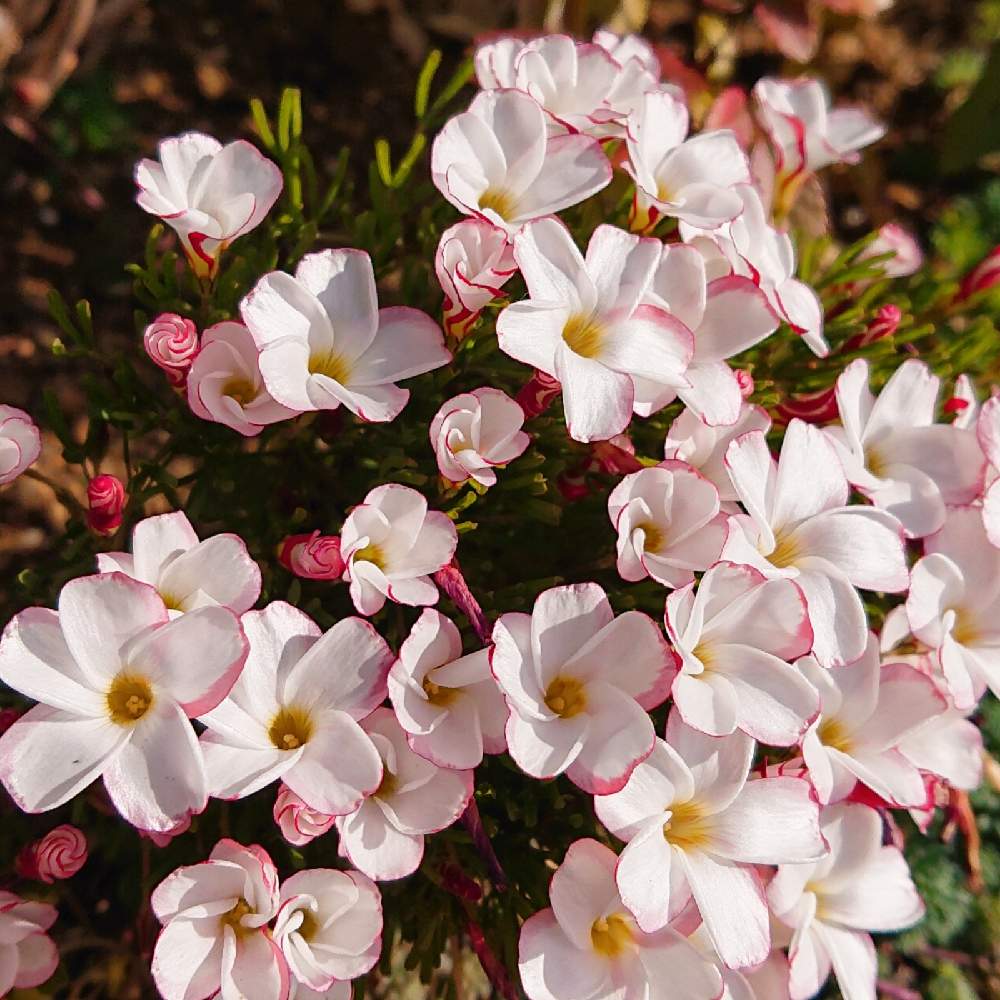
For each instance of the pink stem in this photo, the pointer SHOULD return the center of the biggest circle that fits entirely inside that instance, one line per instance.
(473, 822)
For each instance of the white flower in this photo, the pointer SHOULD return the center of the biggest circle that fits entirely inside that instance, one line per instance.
(224, 383)
(329, 927)
(474, 432)
(866, 712)
(20, 443)
(215, 936)
(668, 522)
(209, 194)
(187, 573)
(585, 324)
(830, 905)
(799, 525)
(688, 179)
(392, 545)
(116, 681)
(577, 705)
(695, 826)
(324, 341)
(734, 635)
(588, 944)
(384, 837)
(28, 956)
(291, 716)
(894, 452)
(449, 704)
(497, 161)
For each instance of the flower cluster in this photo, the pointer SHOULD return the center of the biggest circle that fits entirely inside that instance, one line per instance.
(747, 814)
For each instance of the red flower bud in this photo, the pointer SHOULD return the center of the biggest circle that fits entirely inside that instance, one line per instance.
(171, 341)
(106, 498)
(818, 407)
(60, 854)
(985, 275)
(538, 394)
(313, 556)
(884, 324)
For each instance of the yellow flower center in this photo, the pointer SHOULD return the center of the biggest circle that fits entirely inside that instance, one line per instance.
(291, 728)
(309, 925)
(128, 699)
(331, 365)
(566, 697)
(171, 601)
(234, 918)
(875, 462)
(499, 201)
(372, 554)
(655, 538)
(388, 785)
(786, 551)
(833, 733)
(241, 390)
(965, 631)
(688, 827)
(703, 653)
(583, 335)
(438, 695)
(663, 192)
(611, 935)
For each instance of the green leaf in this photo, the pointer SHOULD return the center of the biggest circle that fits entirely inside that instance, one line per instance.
(261, 124)
(412, 154)
(424, 80)
(383, 161)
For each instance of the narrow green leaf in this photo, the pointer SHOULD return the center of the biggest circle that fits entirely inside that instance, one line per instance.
(383, 161)
(406, 164)
(424, 80)
(261, 124)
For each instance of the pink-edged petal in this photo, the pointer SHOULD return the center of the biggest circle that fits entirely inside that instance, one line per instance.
(713, 392)
(810, 478)
(234, 771)
(619, 736)
(433, 806)
(376, 847)
(253, 966)
(408, 343)
(197, 683)
(737, 316)
(158, 778)
(840, 626)
(598, 401)
(545, 749)
(852, 954)
(719, 766)
(339, 766)
(48, 756)
(99, 614)
(554, 968)
(771, 821)
(643, 875)
(218, 570)
(187, 962)
(37, 960)
(564, 619)
(35, 660)
(574, 168)
(732, 904)
(583, 889)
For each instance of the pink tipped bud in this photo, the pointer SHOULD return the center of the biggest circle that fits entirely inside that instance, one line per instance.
(313, 557)
(813, 407)
(298, 823)
(746, 383)
(106, 498)
(538, 394)
(985, 275)
(171, 341)
(885, 324)
(60, 854)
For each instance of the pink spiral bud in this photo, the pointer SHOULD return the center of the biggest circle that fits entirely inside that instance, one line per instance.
(538, 394)
(746, 383)
(298, 823)
(60, 854)
(985, 275)
(885, 324)
(313, 556)
(171, 341)
(813, 407)
(106, 498)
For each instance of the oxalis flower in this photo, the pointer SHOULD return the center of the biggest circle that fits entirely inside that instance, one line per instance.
(449, 704)
(324, 342)
(953, 606)
(298, 823)
(577, 705)
(476, 431)
(28, 956)
(689, 179)
(668, 522)
(734, 635)
(587, 945)
(392, 545)
(117, 681)
(209, 194)
(215, 940)
(585, 324)
(696, 827)
(799, 525)
(291, 716)
(187, 573)
(893, 451)
(498, 162)
(329, 928)
(384, 837)
(832, 904)
(224, 383)
(867, 711)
